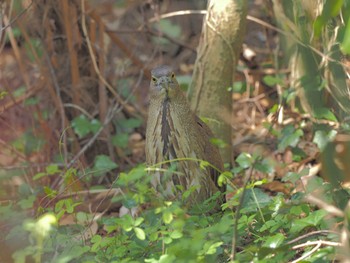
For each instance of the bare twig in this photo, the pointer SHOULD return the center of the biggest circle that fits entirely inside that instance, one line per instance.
(17, 17)
(177, 13)
(328, 207)
(317, 245)
(253, 19)
(122, 102)
(314, 233)
(117, 41)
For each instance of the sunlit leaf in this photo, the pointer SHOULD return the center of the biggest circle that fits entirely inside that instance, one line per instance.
(274, 241)
(167, 217)
(212, 249)
(140, 233)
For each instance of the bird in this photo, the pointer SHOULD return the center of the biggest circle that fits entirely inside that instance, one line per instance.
(177, 141)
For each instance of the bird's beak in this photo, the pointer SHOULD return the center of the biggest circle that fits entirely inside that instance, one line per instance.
(164, 87)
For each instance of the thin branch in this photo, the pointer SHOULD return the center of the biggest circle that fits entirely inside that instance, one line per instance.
(177, 13)
(322, 242)
(109, 116)
(253, 19)
(108, 119)
(94, 62)
(17, 17)
(319, 232)
(320, 203)
(307, 254)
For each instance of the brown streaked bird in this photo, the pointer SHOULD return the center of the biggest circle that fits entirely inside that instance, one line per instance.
(175, 132)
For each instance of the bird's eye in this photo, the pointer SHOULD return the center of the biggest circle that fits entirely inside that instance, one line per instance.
(172, 75)
(154, 80)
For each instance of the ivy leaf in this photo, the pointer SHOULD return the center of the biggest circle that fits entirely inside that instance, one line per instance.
(103, 164)
(95, 125)
(81, 126)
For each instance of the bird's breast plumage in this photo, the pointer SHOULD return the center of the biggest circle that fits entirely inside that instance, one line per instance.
(176, 141)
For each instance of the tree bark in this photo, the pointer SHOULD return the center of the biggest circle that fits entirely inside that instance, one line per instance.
(218, 51)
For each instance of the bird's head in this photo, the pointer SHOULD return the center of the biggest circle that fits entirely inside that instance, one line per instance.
(164, 85)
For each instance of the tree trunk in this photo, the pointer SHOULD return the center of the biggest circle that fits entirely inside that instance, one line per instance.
(218, 51)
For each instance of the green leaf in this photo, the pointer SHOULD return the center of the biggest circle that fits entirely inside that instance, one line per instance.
(27, 203)
(138, 221)
(345, 45)
(120, 140)
(323, 137)
(95, 125)
(104, 164)
(31, 101)
(266, 166)
(330, 9)
(39, 175)
(294, 177)
(3, 94)
(50, 192)
(224, 177)
(255, 198)
(140, 233)
(272, 80)
(19, 92)
(311, 220)
(238, 87)
(81, 125)
(289, 137)
(167, 240)
(244, 160)
(129, 203)
(131, 123)
(52, 169)
(176, 234)
(96, 241)
(203, 164)
(167, 217)
(218, 142)
(324, 113)
(212, 249)
(274, 241)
